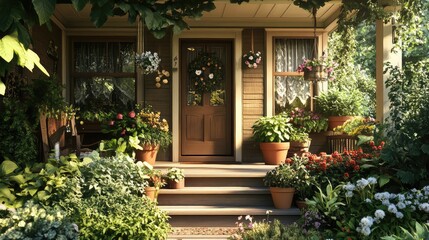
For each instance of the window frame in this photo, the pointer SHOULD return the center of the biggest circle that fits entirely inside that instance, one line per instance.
(271, 35)
(98, 39)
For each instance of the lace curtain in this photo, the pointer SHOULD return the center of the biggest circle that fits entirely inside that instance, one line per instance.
(288, 55)
(104, 74)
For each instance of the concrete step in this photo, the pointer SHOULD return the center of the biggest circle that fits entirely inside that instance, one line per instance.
(225, 216)
(231, 196)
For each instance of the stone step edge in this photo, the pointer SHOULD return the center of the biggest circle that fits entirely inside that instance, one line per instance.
(228, 211)
(199, 237)
(215, 190)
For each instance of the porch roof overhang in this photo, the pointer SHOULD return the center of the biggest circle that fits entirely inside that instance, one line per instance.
(267, 13)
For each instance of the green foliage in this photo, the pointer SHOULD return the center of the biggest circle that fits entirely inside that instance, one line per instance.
(299, 136)
(310, 4)
(34, 221)
(336, 102)
(306, 121)
(292, 174)
(175, 174)
(121, 216)
(276, 230)
(357, 126)
(421, 232)
(17, 139)
(272, 129)
(407, 149)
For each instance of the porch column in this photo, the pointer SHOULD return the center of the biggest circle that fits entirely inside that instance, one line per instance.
(384, 54)
(140, 48)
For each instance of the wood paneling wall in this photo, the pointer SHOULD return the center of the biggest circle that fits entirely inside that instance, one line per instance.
(253, 93)
(159, 98)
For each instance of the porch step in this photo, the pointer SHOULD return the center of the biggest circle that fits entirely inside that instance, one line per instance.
(232, 196)
(225, 216)
(216, 194)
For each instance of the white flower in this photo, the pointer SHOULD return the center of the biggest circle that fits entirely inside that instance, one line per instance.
(400, 197)
(250, 58)
(366, 231)
(198, 72)
(248, 217)
(211, 75)
(349, 187)
(368, 200)
(424, 207)
(366, 221)
(392, 208)
(372, 180)
(362, 183)
(399, 215)
(379, 214)
(21, 224)
(401, 205)
(349, 194)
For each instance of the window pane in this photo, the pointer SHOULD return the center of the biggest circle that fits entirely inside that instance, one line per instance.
(104, 93)
(289, 53)
(104, 57)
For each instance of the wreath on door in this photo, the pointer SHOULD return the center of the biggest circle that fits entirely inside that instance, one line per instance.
(206, 73)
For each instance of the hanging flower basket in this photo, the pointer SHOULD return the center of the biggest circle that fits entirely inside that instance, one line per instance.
(316, 69)
(206, 73)
(148, 62)
(252, 59)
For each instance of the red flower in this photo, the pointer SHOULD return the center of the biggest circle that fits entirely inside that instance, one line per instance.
(346, 175)
(288, 161)
(356, 167)
(124, 131)
(119, 116)
(132, 114)
(371, 143)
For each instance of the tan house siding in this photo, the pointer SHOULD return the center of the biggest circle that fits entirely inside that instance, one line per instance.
(253, 94)
(159, 98)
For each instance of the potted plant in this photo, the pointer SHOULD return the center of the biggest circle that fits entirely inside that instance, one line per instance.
(299, 142)
(339, 105)
(316, 69)
(144, 132)
(156, 182)
(273, 134)
(357, 126)
(175, 178)
(283, 181)
(306, 120)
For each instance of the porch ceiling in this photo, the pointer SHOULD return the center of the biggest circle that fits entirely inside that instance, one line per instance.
(267, 13)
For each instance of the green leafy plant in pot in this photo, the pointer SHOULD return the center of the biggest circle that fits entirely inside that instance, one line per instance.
(299, 142)
(273, 134)
(283, 180)
(339, 105)
(175, 178)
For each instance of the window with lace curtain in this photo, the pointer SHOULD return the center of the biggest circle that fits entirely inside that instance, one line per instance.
(290, 88)
(103, 74)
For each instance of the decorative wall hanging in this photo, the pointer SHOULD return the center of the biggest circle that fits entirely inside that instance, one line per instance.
(252, 59)
(148, 61)
(162, 78)
(206, 73)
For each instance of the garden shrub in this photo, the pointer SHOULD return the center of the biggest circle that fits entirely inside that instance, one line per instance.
(33, 221)
(407, 151)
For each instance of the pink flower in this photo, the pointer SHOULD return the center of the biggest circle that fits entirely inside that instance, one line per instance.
(132, 114)
(258, 60)
(111, 123)
(119, 116)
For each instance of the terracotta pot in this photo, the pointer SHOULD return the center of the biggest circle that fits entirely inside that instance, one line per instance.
(282, 197)
(176, 185)
(298, 148)
(335, 121)
(274, 153)
(151, 193)
(148, 154)
(301, 204)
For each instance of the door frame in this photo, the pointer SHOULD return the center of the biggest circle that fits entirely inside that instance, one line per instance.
(209, 33)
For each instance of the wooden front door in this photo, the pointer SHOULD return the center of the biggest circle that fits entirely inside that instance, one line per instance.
(206, 100)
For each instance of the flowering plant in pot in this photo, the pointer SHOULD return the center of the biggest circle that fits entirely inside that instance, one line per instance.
(148, 61)
(273, 133)
(284, 179)
(252, 59)
(143, 131)
(175, 178)
(306, 120)
(358, 126)
(339, 105)
(316, 69)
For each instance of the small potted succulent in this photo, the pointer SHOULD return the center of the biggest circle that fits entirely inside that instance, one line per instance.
(175, 178)
(339, 105)
(273, 134)
(286, 179)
